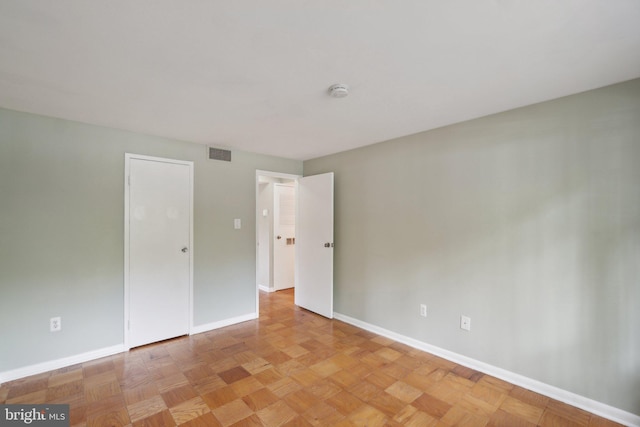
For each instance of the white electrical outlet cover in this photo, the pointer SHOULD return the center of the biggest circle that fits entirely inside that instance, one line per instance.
(55, 324)
(465, 323)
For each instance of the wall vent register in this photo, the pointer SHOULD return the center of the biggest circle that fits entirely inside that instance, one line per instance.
(219, 154)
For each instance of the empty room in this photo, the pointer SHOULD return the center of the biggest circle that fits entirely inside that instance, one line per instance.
(363, 213)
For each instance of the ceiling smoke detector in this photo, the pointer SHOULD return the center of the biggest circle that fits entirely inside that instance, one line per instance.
(339, 90)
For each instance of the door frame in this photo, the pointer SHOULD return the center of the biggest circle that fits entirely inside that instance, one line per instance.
(270, 174)
(127, 164)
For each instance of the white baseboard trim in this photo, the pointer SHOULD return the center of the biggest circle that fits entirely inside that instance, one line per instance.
(265, 288)
(52, 365)
(590, 405)
(222, 323)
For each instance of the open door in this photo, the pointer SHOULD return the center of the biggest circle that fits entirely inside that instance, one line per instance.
(314, 244)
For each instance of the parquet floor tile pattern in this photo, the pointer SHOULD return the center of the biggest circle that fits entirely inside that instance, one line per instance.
(289, 368)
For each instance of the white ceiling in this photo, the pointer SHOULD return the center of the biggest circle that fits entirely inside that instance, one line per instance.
(253, 74)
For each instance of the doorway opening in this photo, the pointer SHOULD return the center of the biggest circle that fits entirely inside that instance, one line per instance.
(275, 232)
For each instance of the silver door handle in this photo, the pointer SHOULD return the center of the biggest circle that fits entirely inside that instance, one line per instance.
(185, 250)
(328, 245)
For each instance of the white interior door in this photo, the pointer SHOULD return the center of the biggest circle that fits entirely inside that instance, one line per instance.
(158, 249)
(284, 231)
(314, 244)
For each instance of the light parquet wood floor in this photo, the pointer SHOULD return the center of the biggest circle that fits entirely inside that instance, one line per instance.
(289, 368)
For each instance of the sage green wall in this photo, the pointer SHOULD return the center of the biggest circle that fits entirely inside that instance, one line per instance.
(526, 221)
(62, 227)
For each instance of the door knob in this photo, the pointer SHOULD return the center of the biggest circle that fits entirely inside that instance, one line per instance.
(185, 250)
(328, 245)
(279, 237)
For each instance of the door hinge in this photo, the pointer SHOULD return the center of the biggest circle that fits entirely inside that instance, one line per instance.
(129, 180)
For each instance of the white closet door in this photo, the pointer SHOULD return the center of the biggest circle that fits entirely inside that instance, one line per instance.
(160, 202)
(284, 230)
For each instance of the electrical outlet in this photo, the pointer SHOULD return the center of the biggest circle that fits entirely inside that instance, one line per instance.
(423, 310)
(55, 324)
(465, 323)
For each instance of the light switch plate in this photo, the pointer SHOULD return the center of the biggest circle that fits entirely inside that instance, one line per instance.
(237, 224)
